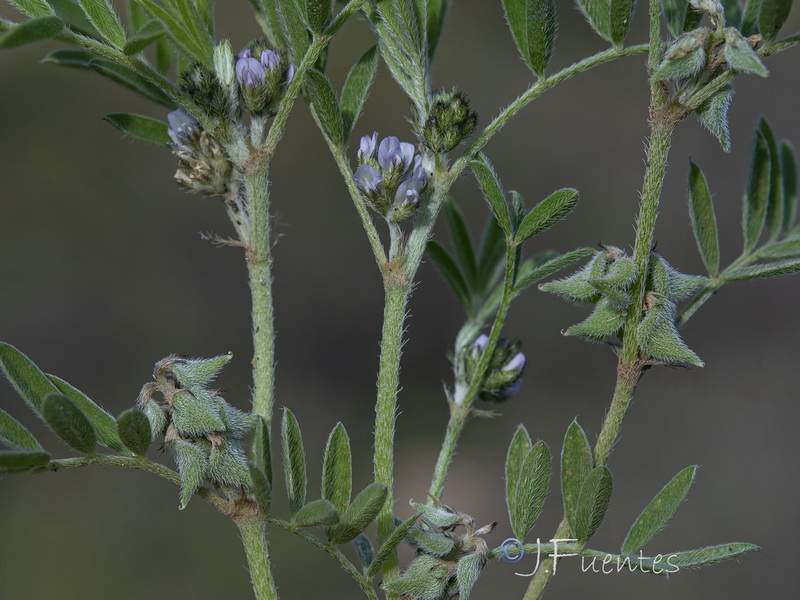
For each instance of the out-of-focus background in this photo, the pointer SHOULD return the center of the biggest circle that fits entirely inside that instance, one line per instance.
(102, 273)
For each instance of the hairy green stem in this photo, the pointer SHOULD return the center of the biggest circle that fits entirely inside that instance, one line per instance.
(259, 269)
(254, 540)
(359, 577)
(460, 412)
(397, 293)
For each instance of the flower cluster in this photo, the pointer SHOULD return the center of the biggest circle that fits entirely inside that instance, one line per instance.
(449, 559)
(202, 430)
(504, 374)
(203, 165)
(391, 176)
(262, 75)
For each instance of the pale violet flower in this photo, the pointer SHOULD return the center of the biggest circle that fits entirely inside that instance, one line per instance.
(516, 363)
(270, 60)
(394, 154)
(368, 179)
(250, 73)
(367, 146)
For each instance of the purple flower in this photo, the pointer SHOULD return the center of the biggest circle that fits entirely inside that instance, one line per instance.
(249, 72)
(479, 345)
(270, 60)
(394, 154)
(368, 145)
(368, 179)
(182, 126)
(289, 73)
(408, 192)
(246, 53)
(516, 363)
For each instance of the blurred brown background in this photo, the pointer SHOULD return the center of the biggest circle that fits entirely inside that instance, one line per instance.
(103, 273)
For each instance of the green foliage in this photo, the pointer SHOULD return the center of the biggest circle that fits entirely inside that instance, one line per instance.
(325, 107)
(437, 11)
(337, 469)
(14, 435)
(317, 14)
(621, 12)
(533, 25)
(425, 579)
(262, 488)
(593, 502)
(140, 127)
(30, 383)
(598, 14)
(192, 462)
(147, 34)
(430, 542)
(133, 427)
(772, 16)
(527, 490)
(713, 114)
(364, 550)
(710, 554)
(105, 20)
(675, 15)
(547, 213)
(317, 513)
(84, 59)
(492, 192)
(12, 461)
(186, 28)
(294, 35)
(388, 547)
(261, 449)
(31, 31)
(294, 461)
(684, 58)
(756, 196)
(69, 423)
(70, 12)
(660, 510)
(33, 8)
(740, 55)
(356, 89)
(576, 464)
(199, 372)
(704, 221)
(359, 514)
(468, 571)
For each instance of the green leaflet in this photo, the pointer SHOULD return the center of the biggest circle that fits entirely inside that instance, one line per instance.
(149, 33)
(660, 510)
(462, 242)
(593, 502)
(492, 192)
(31, 31)
(675, 15)
(325, 107)
(437, 12)
(620, 14)
(337, 469)
(122, 75)
(750, 17)
(29, 382)
(364, 550)
(33, 8)
(317, 13)
(69, 423)
(356, 89)
(604, 320)
(140, 127)
(317, 513)
(20, 460)
(781, 267)
(14, 435)
(740, 56)
(756, 195)
(199, 372)
(106, 21)
(598, 14)
(197, 47)
(134, 431)
(788, 184)
(576, 464)
(529, 490)
(294, 461)
(518, 449)
(537, 272)
(294, 32)
(704, 220)
(430, 542)
(73, 16)
(774, 216)
(533, 26)
(468, 571)
(191, 461)
(772, 16)
(783, 249)
(451, 273)
(359, 514)
(388, 547)
(260, 448)
(103, 423)
(713, 114)
(546, 214)
(197, 412)
(262, 489)
(576, 287)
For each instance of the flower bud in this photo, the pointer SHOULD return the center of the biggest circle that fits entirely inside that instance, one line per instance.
(450, 121)
(368, 144)
(263, 74)
(203, 164)
(504, 374)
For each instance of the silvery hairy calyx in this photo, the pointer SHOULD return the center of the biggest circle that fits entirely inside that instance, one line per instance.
(221, 104)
